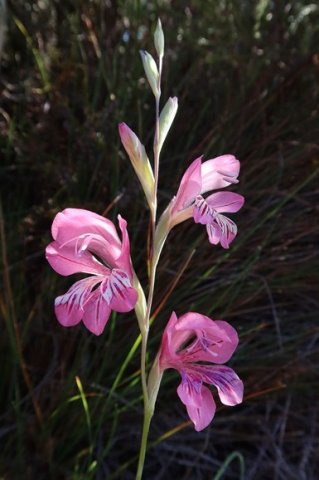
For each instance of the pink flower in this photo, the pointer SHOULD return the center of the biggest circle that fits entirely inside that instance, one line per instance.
(85, 242)
(191, 344)
(200, 178)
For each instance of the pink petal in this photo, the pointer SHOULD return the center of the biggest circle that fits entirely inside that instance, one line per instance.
(214, 233)
(72, 223)
(230, 387)
(190, 186)
(211, 344)
(69, 307)
(66, 260)
(219, 172)
(123, 261)
(189, 390)
(180, 331)
(202, 212)
(129, 140)
(118, 292)
(96, 312)
(199, 403)
(222, 229)
(225, 201)
(168, 348)
(194, 321)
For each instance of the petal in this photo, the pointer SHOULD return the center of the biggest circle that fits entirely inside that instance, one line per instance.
(72, 223)
(202, 212)
(214, 233)
(222, 230)
(67, 260)
(225, 201)
(219, 172)
(189, 390)
(230, 387)
(123, 261)
(199, 403)
(197, 322)
(118, 292)
(190, 186)
(228, 230)
(96, 312)
(168, 349)
(188, 327)
(69, 307)
(215, 340)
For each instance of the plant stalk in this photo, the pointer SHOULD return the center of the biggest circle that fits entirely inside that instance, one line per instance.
(148, 410)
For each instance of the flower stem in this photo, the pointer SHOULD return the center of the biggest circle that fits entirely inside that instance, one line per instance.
(148, 409)
(146, 427)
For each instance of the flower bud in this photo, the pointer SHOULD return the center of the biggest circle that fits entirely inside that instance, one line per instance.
(151, 71)
(159, 39)
(166, 119)
(137, 154)
(154, 382)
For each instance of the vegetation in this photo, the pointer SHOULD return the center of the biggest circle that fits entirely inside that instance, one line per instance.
(245, 74)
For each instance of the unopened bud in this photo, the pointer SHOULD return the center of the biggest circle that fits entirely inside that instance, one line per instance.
(166, 119)
(151, 71)
(159, 39)
(137, 154)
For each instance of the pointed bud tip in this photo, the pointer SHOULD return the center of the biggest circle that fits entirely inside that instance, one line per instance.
(159, 39)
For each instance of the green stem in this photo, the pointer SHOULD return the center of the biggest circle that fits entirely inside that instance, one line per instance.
(146, 427)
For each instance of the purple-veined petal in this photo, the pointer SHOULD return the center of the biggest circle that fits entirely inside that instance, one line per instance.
(219, 172)
(193, 321)
(225, 202)
(214, 233)
(96, 312)
(118, 292)
(202, 212)
(198, 400)
(212, 344)
(192, 325)
(69, 307)
(67, 260)
(190, 186)
(228, 230)
(230, 387)
(221, 230)
(189, 390)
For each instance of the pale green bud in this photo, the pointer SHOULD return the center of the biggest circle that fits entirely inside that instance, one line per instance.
(159, 39)
(154, 382)
(166, 119)
(141, 164)
(140, 307)
(151, 71)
